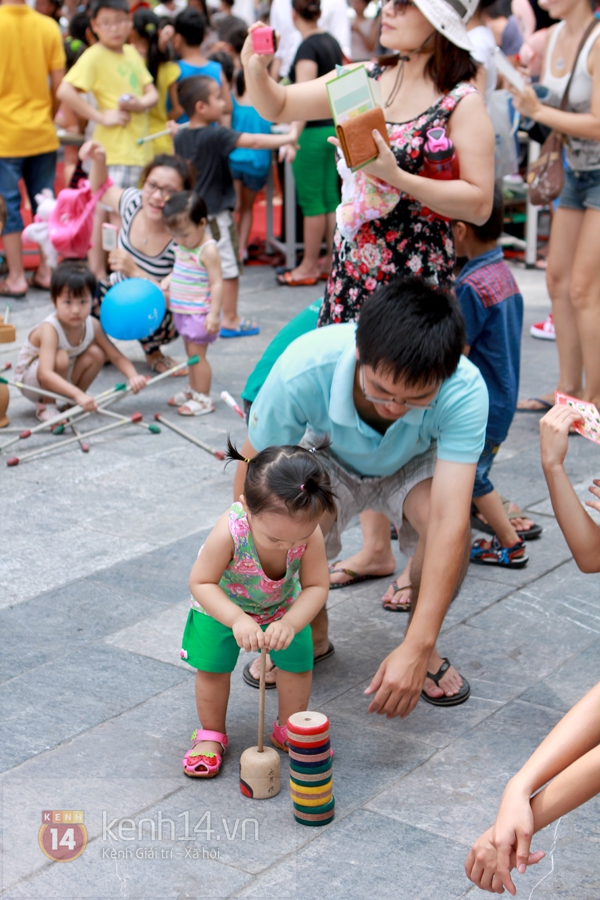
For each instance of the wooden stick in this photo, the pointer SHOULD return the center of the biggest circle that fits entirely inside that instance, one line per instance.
(6, 314)
(261, 701)
(157, 134)
(41, 392)
(83, 444)
(5, 366)
(153, 429)
(218, 453)
(226, 396)
(15, 460)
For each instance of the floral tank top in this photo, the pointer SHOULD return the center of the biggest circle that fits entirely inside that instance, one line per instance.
(245, 582)
(406, 241)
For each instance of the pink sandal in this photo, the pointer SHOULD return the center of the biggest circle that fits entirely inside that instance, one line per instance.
(279, 737)
(197, 764)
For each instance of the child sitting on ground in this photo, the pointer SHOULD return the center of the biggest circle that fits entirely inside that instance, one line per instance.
(570, 755)
(66, 351)
(207, 145)
(195, 288)
(259, 580)
(493, 311)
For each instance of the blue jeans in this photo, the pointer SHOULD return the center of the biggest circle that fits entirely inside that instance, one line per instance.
(483, 485)
(581, 190)
(37, 172)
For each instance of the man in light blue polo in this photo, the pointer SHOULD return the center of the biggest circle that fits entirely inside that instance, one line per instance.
(406, 414)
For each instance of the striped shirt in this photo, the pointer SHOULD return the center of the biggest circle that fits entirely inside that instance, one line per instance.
(156, 267)
(189, 291)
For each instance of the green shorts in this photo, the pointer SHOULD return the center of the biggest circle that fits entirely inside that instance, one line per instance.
(315, 173)
(211, 647)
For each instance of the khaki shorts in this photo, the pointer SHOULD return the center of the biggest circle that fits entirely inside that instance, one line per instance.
(357, 493)
(224, 231)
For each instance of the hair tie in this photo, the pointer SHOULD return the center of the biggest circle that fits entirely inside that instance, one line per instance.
(302, 487)
(246, 460)
(150, 28)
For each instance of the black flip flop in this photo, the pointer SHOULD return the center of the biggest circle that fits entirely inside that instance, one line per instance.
(255, 683)
(456, 699)
(533, 534)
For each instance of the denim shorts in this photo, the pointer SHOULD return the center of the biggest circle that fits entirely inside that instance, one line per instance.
(37, 172)
(483, 485)
(252, 182)
(581, 190)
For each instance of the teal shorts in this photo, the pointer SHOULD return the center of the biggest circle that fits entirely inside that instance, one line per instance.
(211, 647)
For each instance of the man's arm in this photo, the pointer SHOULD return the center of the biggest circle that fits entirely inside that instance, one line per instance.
(400, 678)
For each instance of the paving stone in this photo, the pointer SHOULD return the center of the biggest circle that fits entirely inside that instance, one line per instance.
(564, 687)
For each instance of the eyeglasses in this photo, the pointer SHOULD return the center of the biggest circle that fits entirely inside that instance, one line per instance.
(165, 192)
(380, 401)
(114, 25)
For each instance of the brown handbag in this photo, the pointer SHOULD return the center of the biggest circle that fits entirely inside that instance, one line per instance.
(356, 137)
(546, 175)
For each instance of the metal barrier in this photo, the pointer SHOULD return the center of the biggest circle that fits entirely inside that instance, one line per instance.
(290, 246)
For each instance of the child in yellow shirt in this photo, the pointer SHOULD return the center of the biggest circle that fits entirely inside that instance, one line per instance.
(145, 37)
(114, 72)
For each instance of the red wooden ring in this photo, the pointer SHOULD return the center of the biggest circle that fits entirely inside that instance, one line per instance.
(308, 723)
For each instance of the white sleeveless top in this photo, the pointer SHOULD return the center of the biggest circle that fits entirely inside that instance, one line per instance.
(29, 352)
(582, 154)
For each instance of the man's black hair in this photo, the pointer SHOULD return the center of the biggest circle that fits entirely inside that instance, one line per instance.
(118, 5)
(191, 25)
(492, 229)
(411, 330)
(75, 276)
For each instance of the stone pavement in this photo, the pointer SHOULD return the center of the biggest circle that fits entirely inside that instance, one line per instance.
(97, 708)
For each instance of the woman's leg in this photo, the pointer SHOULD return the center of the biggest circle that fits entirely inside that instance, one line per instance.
(212, 697)
(585, 298)
(564, 238)
(201, 373)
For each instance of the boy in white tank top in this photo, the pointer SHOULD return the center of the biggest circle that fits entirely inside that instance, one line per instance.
(66, 351)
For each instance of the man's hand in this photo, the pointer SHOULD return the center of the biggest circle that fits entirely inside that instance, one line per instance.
(113, 117)
(248, 634)
(278, 635)
(554, 434)
(399, 681)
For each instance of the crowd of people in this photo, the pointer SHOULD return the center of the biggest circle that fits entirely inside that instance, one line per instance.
(388, 400)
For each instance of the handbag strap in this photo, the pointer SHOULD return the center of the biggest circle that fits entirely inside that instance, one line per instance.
(586, 34)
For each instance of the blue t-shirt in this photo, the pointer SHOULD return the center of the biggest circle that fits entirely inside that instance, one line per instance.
(248, 121)
(493, 309)
(311, 386)
(212, 69)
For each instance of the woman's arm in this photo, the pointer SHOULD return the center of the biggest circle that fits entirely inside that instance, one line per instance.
(580, 531)
(469, 197)
(94, 151)
(580, 125)
(276, 103)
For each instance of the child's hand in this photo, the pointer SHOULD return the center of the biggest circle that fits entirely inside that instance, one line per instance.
(132, 104)
(85, 401)
(248, 634)
(137, 382)
(279, 635)
(173, 127)
(554, 434)
(595, 490)
(212, 323)
(287, 153)
(114, 117)
(92, 150)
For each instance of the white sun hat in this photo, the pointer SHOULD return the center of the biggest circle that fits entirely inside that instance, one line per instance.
(449, 17)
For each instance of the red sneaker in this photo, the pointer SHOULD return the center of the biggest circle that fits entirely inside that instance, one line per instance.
(544, 330)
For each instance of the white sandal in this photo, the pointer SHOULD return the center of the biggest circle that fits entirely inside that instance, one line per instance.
(198, 405)
(181, 397)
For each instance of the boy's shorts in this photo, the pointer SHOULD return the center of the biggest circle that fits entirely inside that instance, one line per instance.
(250, 181)
(483, 485)
(211, 647)
(125, 176)
(38, 173)
(356, 493)
(192, 328)
(225, 234)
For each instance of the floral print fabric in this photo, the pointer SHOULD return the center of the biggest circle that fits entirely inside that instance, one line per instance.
(408, 240)
(244, 581)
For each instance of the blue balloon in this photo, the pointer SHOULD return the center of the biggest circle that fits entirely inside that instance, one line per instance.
(132, 309)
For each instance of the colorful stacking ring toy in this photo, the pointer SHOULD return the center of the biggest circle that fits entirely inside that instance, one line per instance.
(311, 768)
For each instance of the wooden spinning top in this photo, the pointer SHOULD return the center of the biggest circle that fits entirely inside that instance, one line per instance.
(260, 767)
(8, 333)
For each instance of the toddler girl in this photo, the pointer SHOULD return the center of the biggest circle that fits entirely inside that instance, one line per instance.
(195, 289)
(259, 580)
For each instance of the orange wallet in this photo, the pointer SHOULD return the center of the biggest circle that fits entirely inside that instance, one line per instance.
(356, 138)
